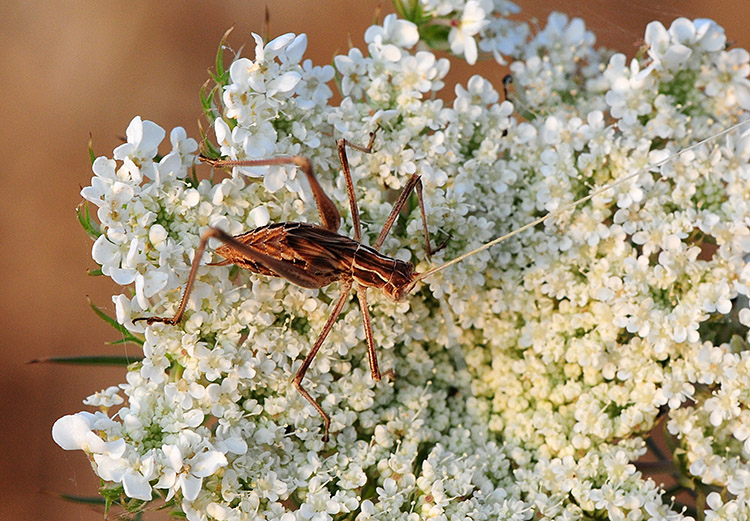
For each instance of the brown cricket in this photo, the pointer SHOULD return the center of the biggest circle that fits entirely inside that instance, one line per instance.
(313, 256)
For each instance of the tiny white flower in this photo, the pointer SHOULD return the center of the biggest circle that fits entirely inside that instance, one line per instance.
(143, 139)
(186, 475)
(461, 36)
(73, 432)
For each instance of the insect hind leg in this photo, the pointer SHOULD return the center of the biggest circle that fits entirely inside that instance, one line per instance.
(345, 289)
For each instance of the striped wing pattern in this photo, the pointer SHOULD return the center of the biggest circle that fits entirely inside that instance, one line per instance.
(326, 256)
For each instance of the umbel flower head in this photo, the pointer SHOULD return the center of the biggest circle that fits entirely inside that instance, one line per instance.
(527, 375)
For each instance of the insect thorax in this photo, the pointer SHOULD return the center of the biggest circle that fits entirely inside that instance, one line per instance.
(373, 269)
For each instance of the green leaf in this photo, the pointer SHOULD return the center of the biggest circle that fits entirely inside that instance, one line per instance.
(125, 341)
(90, 227)
(207, 103)
(435, 36)
(410, 10)
(112, 494)
(221, 76)
(86, 500)
(109, 320)
(115, 361)
(127, 335)
(209, 150)
(92, 155)
(95, 273)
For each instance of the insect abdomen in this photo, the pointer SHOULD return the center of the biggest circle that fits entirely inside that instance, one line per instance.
(325, 254)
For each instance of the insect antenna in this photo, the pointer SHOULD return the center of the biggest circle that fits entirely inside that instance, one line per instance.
(576, 203)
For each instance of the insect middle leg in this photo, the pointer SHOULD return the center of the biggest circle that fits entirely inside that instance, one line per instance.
(330, 217)
(346, 286)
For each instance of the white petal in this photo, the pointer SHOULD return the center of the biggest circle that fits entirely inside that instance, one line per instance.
(470, 50)
(139, 293)
(109, 468)
(71, 432)
(193, 418)
(235, 445)
(170, 164)
(123, 151)
(152, 136)
(121, 192)
(285, 83)
(177, 136)
(455, 39)
(129, 171)
(191, 486)
(278, 43)
(407, 34)
(114, 449)
(95, 193)
(711, 35)
(373, 32)
(136, 486)
(223, 132)
(123, 277)
(683, 30)
(131, 258)
(134, 132)
(167, 479)
(293, 53)
(259, 216)
(259, 54)
(714, 501)
(743, 95)
(105, 253)
(656, 33)
(240, 69)
(122, 308)
(206, 463)
(275, 180)
(390, 52)
(104, 168)
(155, 281)
(173, 457)
(157, 234)
(191, 197)
(676, 55)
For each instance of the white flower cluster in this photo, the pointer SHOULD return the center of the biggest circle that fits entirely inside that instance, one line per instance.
(483, 20)
(525, 374)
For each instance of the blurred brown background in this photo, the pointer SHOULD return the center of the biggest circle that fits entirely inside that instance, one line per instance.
(74, 68)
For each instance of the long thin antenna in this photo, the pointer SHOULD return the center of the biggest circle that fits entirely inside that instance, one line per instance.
(572, 205)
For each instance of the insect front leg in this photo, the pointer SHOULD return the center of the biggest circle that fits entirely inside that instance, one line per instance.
(341, 145)
(366, 322)
(346, 286)
(413, 182)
